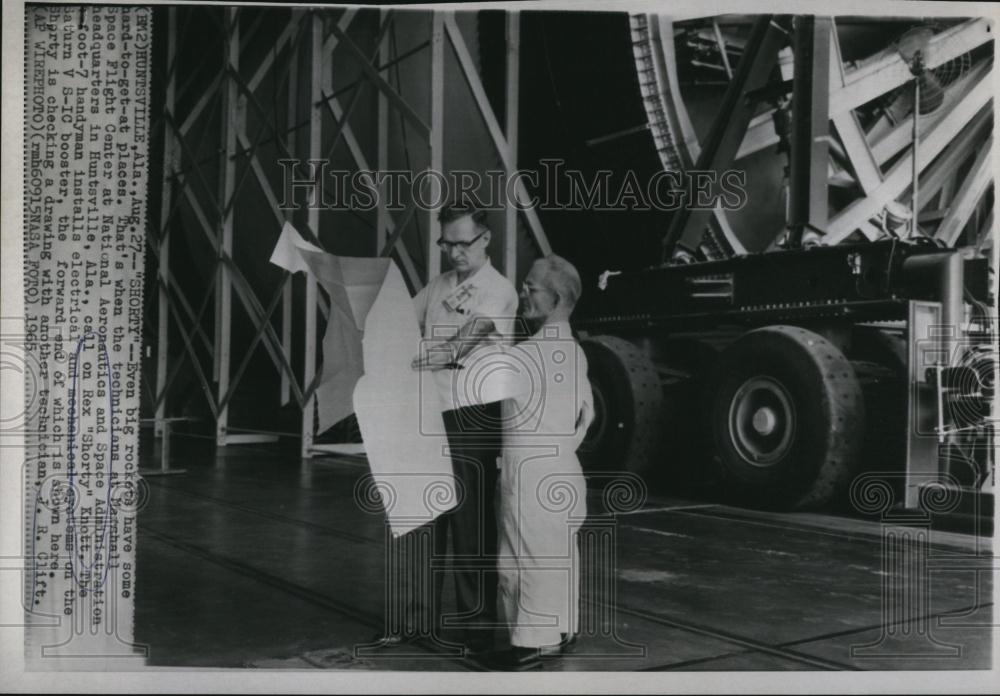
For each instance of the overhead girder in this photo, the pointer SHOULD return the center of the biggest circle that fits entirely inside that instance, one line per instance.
(897, 179)
(890, 143)
(230, 109)
(810, 150)
(862, 161)
(673, 132)
(879, 75)
(719, 151)
(969, 194)
(940, 178)
(864, 155)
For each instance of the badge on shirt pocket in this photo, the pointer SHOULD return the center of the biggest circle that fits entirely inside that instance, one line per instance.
(459, 300)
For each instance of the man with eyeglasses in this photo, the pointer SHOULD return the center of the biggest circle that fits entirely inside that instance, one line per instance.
(470, 305)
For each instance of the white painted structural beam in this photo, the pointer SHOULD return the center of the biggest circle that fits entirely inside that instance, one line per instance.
(969, 194)
(499, 142)
(899, 177)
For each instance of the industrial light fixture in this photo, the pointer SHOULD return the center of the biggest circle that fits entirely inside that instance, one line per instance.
(913, 47)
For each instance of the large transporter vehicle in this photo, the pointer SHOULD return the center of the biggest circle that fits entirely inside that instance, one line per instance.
(847, 344)
(792, 370)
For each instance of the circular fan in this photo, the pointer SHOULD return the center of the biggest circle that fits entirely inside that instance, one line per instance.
(933, 82)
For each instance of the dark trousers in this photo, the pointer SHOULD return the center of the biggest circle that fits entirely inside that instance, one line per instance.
(474, 443)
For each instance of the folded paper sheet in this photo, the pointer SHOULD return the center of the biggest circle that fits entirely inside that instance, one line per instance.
(352, 284)
(371, 337)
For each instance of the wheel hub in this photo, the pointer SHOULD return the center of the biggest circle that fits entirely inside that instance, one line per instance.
(762, 421)
(765, 420)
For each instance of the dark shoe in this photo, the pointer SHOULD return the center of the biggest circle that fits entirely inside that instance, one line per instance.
(568, 643)
(394, 640)
(477, 643)
(513, 660)
(565, 645)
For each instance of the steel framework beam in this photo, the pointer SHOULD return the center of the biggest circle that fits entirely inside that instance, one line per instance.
(986, 237)
(382, 137)
(292, 117)
(878, 75)
(227, 187)
(898, 178)
(311, 288)
(667, 117)
(344, 130)
(862, 161)
(512, 111)
(940, 176)
(163, 277)
(475, 84)
(433, 254)
(810, 134)
(889, 143)
(969, 195)
(719, 150)
(212, 204)
(226, 276)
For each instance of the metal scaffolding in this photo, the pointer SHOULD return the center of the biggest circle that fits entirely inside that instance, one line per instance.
(829, 146)
(316, 42)
(219, 114)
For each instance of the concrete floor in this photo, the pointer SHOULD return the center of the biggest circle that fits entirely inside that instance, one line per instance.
(252, 558)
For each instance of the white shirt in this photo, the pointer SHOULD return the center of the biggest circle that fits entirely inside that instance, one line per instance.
(543, 384)
(444, 306)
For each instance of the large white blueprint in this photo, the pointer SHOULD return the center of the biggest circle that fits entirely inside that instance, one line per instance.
(371, 337)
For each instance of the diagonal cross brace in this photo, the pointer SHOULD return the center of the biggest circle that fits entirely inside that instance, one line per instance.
(189, 350)
(721, 146)
(499, 141)
(899, 177)
(390, 92)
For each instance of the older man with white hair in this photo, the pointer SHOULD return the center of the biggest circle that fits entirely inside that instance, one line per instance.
(547, 407)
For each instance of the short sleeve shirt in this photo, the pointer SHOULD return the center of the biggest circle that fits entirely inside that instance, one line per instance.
(543, 384)
(445, 305)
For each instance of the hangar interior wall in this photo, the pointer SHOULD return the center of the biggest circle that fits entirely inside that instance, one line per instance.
(243, 89)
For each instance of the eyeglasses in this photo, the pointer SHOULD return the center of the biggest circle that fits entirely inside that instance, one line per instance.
(461, 246)
(532, 289)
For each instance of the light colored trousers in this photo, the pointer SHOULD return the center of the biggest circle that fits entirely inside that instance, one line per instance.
(541, 508)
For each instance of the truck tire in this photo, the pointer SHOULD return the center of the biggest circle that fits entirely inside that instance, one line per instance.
(787, 419)
(627, 404)
(686, 437)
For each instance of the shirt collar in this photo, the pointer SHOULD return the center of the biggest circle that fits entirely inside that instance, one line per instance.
(454, 274)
